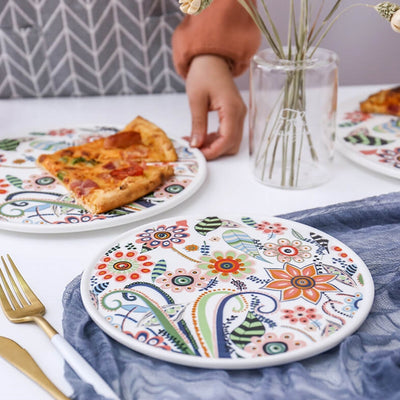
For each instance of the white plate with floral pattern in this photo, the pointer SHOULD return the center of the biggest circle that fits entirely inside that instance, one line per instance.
(32, 201)
(233, 293)
(370, 140)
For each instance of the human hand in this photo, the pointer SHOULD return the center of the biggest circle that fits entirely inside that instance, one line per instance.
(210, 87)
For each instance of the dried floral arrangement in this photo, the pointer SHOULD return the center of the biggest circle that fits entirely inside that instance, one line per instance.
(307, 27)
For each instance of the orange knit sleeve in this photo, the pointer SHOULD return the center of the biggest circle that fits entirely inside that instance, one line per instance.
(224, 29)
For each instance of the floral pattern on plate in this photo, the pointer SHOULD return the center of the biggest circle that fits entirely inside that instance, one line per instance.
(242, 292)
(31, 200)
(371, 140)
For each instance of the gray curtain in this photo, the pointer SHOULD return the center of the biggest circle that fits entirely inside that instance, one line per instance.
(87, 47)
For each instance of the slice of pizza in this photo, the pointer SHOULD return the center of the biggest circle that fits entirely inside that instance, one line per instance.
(383, 102)
(116, 170)
(152, 144)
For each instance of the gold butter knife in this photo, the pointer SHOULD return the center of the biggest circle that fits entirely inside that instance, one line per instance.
(21, 359)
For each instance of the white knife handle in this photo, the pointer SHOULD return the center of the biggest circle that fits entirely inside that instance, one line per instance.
(82, 368)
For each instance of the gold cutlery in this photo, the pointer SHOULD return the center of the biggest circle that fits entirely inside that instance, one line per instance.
(22, 360)
(22, 305)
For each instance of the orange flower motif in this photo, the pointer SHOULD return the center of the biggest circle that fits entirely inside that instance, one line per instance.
(295, 282)
(3, 186)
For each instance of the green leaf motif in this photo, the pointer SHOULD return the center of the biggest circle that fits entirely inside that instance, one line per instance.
(117, 211)
(297, 235)
(207, 225)
(242, 241)
(48, 145)
(249, 221)
(145, 249)
(9, 144)
(15, 181)
(158, 269)
(250, 327)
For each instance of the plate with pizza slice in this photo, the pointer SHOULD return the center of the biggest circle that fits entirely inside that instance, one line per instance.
(369, 131)
(94, 177)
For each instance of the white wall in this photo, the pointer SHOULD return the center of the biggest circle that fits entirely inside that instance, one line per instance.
(368, 49)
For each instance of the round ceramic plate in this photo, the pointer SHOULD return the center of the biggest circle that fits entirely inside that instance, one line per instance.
(32, 201)
(233, 293)
(370, 140)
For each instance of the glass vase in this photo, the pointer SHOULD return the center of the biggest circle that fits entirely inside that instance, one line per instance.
(292, 116)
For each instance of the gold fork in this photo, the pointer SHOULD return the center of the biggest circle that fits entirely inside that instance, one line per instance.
(22, 305)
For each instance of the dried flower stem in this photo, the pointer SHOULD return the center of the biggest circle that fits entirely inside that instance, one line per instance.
(328, 28)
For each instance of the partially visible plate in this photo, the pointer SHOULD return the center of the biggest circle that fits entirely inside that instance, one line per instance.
(370, 140)
(32, 201)
(227, 292)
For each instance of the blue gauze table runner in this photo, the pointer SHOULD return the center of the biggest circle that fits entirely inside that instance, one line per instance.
(366, 365)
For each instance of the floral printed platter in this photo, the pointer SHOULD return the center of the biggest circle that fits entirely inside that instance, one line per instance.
(32, 201)
(370, 140)
(243, 292)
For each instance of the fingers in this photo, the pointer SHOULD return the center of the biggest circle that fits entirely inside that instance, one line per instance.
(199, 107)
(227, 140)
(210, 87)
(199, 123)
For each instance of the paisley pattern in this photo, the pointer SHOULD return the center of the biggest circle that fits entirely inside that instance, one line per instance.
(372, 140)
(215, 291)
(32, 200)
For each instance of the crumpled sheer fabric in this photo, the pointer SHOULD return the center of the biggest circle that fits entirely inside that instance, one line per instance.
(366, 365)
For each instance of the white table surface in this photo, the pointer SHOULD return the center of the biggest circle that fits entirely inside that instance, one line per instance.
(50, 261)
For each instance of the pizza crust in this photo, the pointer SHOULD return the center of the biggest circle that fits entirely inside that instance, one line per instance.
(155, 138)
(383, 102)
(130, 189)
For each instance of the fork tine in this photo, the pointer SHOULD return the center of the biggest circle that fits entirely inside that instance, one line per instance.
(5, 304)
(11, 296)
(17, 292)
(25, 287)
